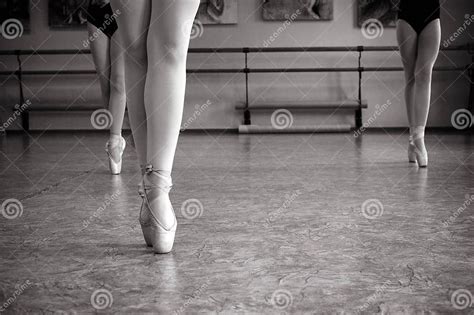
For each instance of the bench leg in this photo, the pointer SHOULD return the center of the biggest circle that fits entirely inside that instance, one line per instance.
(247, 120)
(358, 118)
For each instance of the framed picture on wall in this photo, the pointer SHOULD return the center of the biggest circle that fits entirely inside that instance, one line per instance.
(218, 12)
(280, 10)
(14, 18)
(383, 11)
(67, 13)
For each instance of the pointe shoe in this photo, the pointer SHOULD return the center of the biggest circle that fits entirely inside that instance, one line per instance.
(419, 147)
(114, 149)
(157, 217)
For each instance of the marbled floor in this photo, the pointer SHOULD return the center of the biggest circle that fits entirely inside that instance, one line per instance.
(324, 224)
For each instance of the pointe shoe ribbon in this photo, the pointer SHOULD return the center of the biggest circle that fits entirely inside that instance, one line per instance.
(164, 183)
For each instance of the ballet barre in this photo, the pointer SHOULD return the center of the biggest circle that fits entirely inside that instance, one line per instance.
(246, 107)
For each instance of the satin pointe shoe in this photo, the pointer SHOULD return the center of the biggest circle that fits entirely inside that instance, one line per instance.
(157, 217)
(411, 150)
(419, 144)
(114, 148)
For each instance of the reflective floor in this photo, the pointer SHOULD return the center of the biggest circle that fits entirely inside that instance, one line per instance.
(267, 224)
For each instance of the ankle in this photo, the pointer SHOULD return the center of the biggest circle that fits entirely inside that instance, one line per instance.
(149, 169)
(160, 179)
(114, 139)
(418, 132)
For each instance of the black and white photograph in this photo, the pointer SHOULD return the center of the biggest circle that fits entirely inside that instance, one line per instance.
(236, 157)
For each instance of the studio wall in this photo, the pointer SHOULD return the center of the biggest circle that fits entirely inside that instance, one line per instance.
(223, 91)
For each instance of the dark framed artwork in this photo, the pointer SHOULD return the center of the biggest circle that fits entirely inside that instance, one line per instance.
(15, 11)
(67, 13)
(218, 12)
(303, 10)
(384, 11)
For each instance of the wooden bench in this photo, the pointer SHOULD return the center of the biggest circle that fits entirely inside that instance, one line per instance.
(348, 104)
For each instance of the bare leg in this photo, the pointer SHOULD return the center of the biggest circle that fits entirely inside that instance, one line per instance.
(428, 49)
(168, 41)
(110, 69)
(100, 49)
(167, 45)
(117, 99)
(408, 43)
(133, 22)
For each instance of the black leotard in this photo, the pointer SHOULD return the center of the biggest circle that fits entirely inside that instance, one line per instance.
(100, 14)
(419, 13)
